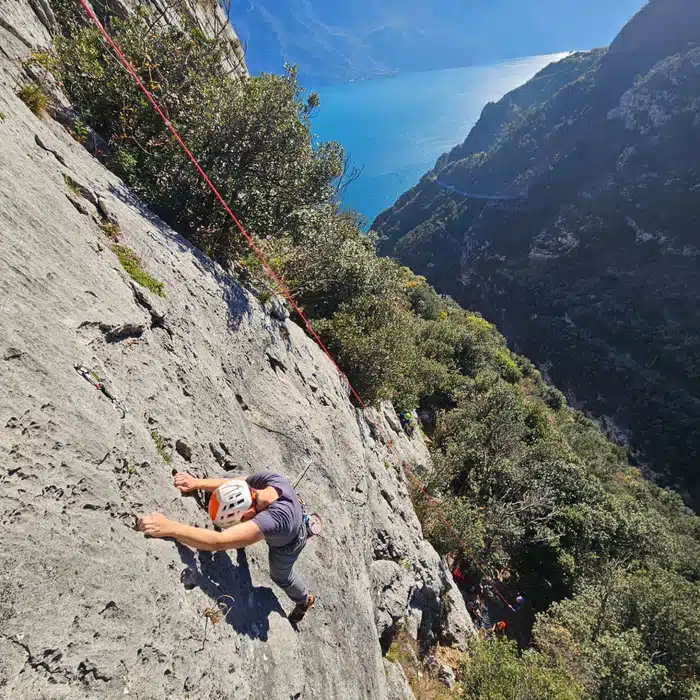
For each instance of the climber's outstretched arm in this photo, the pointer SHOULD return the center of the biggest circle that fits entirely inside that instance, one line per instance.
(236, 537)
(186, 482)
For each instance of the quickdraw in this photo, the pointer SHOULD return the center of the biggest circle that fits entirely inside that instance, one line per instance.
(91, 377)
(313, 523)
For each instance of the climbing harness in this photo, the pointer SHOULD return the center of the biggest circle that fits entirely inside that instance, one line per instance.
(91, 377)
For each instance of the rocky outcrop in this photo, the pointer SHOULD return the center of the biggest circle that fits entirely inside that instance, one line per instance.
(591, 268)
(204, 379)
(32, 22)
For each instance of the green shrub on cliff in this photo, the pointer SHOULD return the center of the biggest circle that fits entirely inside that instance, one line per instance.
(250, 135)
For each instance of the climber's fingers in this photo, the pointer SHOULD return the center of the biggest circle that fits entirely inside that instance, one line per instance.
(154, 525)
(184, 482)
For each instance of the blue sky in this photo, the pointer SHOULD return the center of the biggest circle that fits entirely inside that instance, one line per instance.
(545, 26)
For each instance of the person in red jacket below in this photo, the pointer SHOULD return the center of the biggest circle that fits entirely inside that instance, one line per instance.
(248, 509)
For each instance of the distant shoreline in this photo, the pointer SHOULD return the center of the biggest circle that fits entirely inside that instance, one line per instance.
(398, 74)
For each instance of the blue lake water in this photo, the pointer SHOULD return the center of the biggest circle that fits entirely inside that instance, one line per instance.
(396, 128)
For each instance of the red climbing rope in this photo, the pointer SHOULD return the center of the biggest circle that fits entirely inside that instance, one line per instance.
(280, 285)
(449, 526)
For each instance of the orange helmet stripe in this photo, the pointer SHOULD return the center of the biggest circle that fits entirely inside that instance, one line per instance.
(213, 506)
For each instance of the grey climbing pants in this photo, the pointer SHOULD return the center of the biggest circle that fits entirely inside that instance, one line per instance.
(282, 571)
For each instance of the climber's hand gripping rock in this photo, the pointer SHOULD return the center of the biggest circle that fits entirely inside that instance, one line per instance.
(185, 482)
(155, 525)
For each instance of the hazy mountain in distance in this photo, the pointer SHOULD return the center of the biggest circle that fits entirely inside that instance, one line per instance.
(338, 42)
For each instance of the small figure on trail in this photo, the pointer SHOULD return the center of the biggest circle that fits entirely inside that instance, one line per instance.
(408, 422)
(248, 509)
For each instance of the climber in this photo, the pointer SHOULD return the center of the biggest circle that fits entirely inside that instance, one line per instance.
(248, 509)
(407, 422)
(499, 628)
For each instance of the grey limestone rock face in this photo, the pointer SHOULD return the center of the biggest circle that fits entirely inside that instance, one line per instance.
(397, 686)
(203, 380)
(32, 22)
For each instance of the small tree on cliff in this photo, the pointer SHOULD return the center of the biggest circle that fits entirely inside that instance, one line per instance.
(252, 135)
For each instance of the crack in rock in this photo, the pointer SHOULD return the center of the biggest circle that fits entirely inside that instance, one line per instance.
(77, 203)
(55, 154)
(116, 333)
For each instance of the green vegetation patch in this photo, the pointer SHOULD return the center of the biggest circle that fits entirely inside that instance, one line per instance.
(509, 367)
(479, 323)
(162, 446)
(72, 186)
(34, 97)
(134, 267)
(111, 230)
(80, 131)
(495, 669)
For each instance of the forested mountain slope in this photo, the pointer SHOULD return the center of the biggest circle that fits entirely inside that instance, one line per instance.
(592, 270)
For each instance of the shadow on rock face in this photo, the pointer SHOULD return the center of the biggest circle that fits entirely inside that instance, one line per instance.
(249, 606)
(236, 299)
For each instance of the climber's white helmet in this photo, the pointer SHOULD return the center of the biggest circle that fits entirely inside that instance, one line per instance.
(231, 502)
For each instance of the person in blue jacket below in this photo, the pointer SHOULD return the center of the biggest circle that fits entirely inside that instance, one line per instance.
(248, 509)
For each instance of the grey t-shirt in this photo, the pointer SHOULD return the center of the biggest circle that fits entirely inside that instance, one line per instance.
(281, 521)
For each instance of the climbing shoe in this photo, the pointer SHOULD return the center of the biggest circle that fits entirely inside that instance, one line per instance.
(301, 609)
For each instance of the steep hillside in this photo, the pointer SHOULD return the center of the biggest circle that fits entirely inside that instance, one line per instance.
(591, 269)
(337, 42)
(204, 379)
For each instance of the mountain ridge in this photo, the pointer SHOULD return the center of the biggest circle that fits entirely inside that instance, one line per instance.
(339, 43)
(602, 242)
